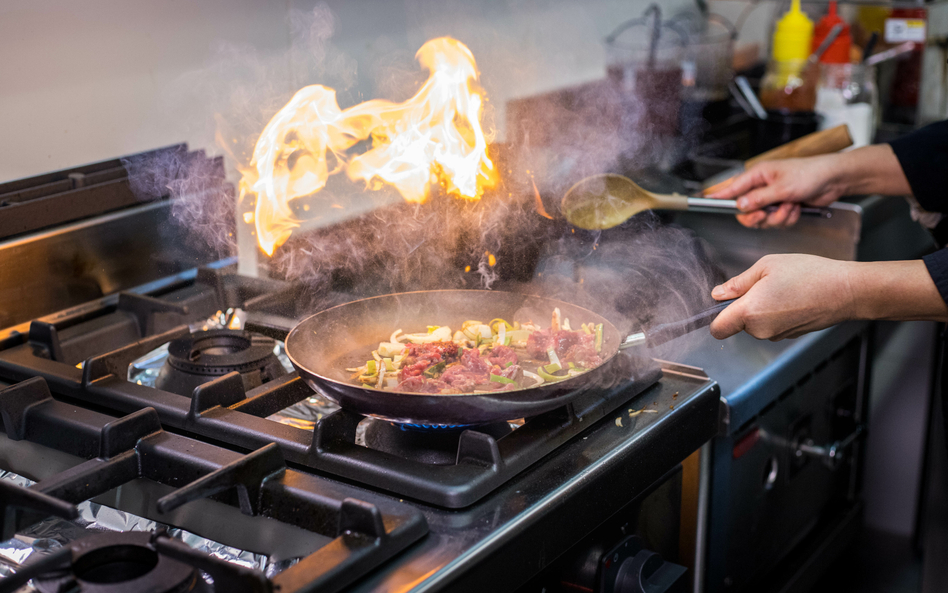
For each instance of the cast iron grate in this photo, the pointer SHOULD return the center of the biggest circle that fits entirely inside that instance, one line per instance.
(366, 531)
(223, 410)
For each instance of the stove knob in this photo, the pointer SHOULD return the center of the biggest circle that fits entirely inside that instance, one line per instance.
(630, 568)
(646, 572)
(626, 567)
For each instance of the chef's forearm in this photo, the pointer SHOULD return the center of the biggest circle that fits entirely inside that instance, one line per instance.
(871, 170)
(899, 290)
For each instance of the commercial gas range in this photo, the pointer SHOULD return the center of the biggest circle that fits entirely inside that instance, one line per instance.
(156, 391)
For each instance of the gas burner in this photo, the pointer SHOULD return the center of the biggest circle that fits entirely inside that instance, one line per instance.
(435, 444)
(431, 427)
(118, 562)
(207, 355)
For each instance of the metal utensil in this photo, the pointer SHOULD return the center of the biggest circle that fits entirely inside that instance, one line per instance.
(605, 201)
(742, 102)
(889, 54)
(870, 46)
(827, 41)
(750, 96)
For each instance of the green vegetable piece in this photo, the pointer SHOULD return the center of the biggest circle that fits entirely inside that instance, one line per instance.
(554, 359)
(552, 368)
(499, 379)
(370, 368)
(549, 377)
(435, 371)
(599, 338)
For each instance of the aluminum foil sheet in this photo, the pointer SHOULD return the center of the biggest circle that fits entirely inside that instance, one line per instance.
(306, 413)
(53, 533)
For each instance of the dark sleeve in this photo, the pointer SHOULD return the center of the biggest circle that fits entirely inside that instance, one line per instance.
(923, 155)
(937, 264)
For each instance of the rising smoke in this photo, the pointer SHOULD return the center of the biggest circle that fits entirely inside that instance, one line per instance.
(641, 273)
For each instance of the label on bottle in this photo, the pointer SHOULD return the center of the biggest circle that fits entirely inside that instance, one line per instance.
(902, 30)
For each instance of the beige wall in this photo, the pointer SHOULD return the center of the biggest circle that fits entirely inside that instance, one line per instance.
(90, 80)
(84, 81)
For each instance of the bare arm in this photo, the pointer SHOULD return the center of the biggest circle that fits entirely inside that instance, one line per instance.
(817, 181)
(872, 170)
(785, 296)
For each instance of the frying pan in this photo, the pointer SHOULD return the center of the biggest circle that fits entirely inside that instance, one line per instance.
(322, 346)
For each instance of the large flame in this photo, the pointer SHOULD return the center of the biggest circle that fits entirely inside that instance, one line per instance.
(434, 138)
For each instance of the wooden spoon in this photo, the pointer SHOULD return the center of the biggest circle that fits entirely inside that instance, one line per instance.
(608, 200)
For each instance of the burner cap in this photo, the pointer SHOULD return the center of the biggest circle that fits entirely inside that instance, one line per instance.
(206, 355)
(118, 562)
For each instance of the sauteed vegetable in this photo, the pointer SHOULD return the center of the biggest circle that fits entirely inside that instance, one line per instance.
(482, 357)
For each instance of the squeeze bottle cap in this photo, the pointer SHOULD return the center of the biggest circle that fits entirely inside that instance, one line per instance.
(793, 35)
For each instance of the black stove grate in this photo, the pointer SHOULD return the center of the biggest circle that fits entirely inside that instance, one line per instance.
(365, 531)
(223, 410)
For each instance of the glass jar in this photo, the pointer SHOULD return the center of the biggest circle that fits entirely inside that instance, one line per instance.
(847, 94)
(789, 86)
(708, 61)
(644, 57)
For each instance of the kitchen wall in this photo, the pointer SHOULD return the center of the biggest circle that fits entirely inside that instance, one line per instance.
(754, 19)
(85, 81)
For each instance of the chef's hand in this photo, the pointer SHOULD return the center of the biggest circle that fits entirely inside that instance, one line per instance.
(785, 296)
(817, 181)
(787, 182)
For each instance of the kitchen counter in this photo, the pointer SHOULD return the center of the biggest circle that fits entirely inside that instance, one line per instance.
(752, 372)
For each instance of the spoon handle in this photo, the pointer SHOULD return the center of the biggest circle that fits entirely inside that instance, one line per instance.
(730, 207)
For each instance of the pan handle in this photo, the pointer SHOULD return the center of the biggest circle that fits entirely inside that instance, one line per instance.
(675, 329)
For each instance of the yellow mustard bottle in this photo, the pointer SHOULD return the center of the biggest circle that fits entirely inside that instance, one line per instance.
(793, 35)
(786, 85)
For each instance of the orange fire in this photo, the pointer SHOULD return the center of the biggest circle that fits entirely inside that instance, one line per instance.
(433, 139)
